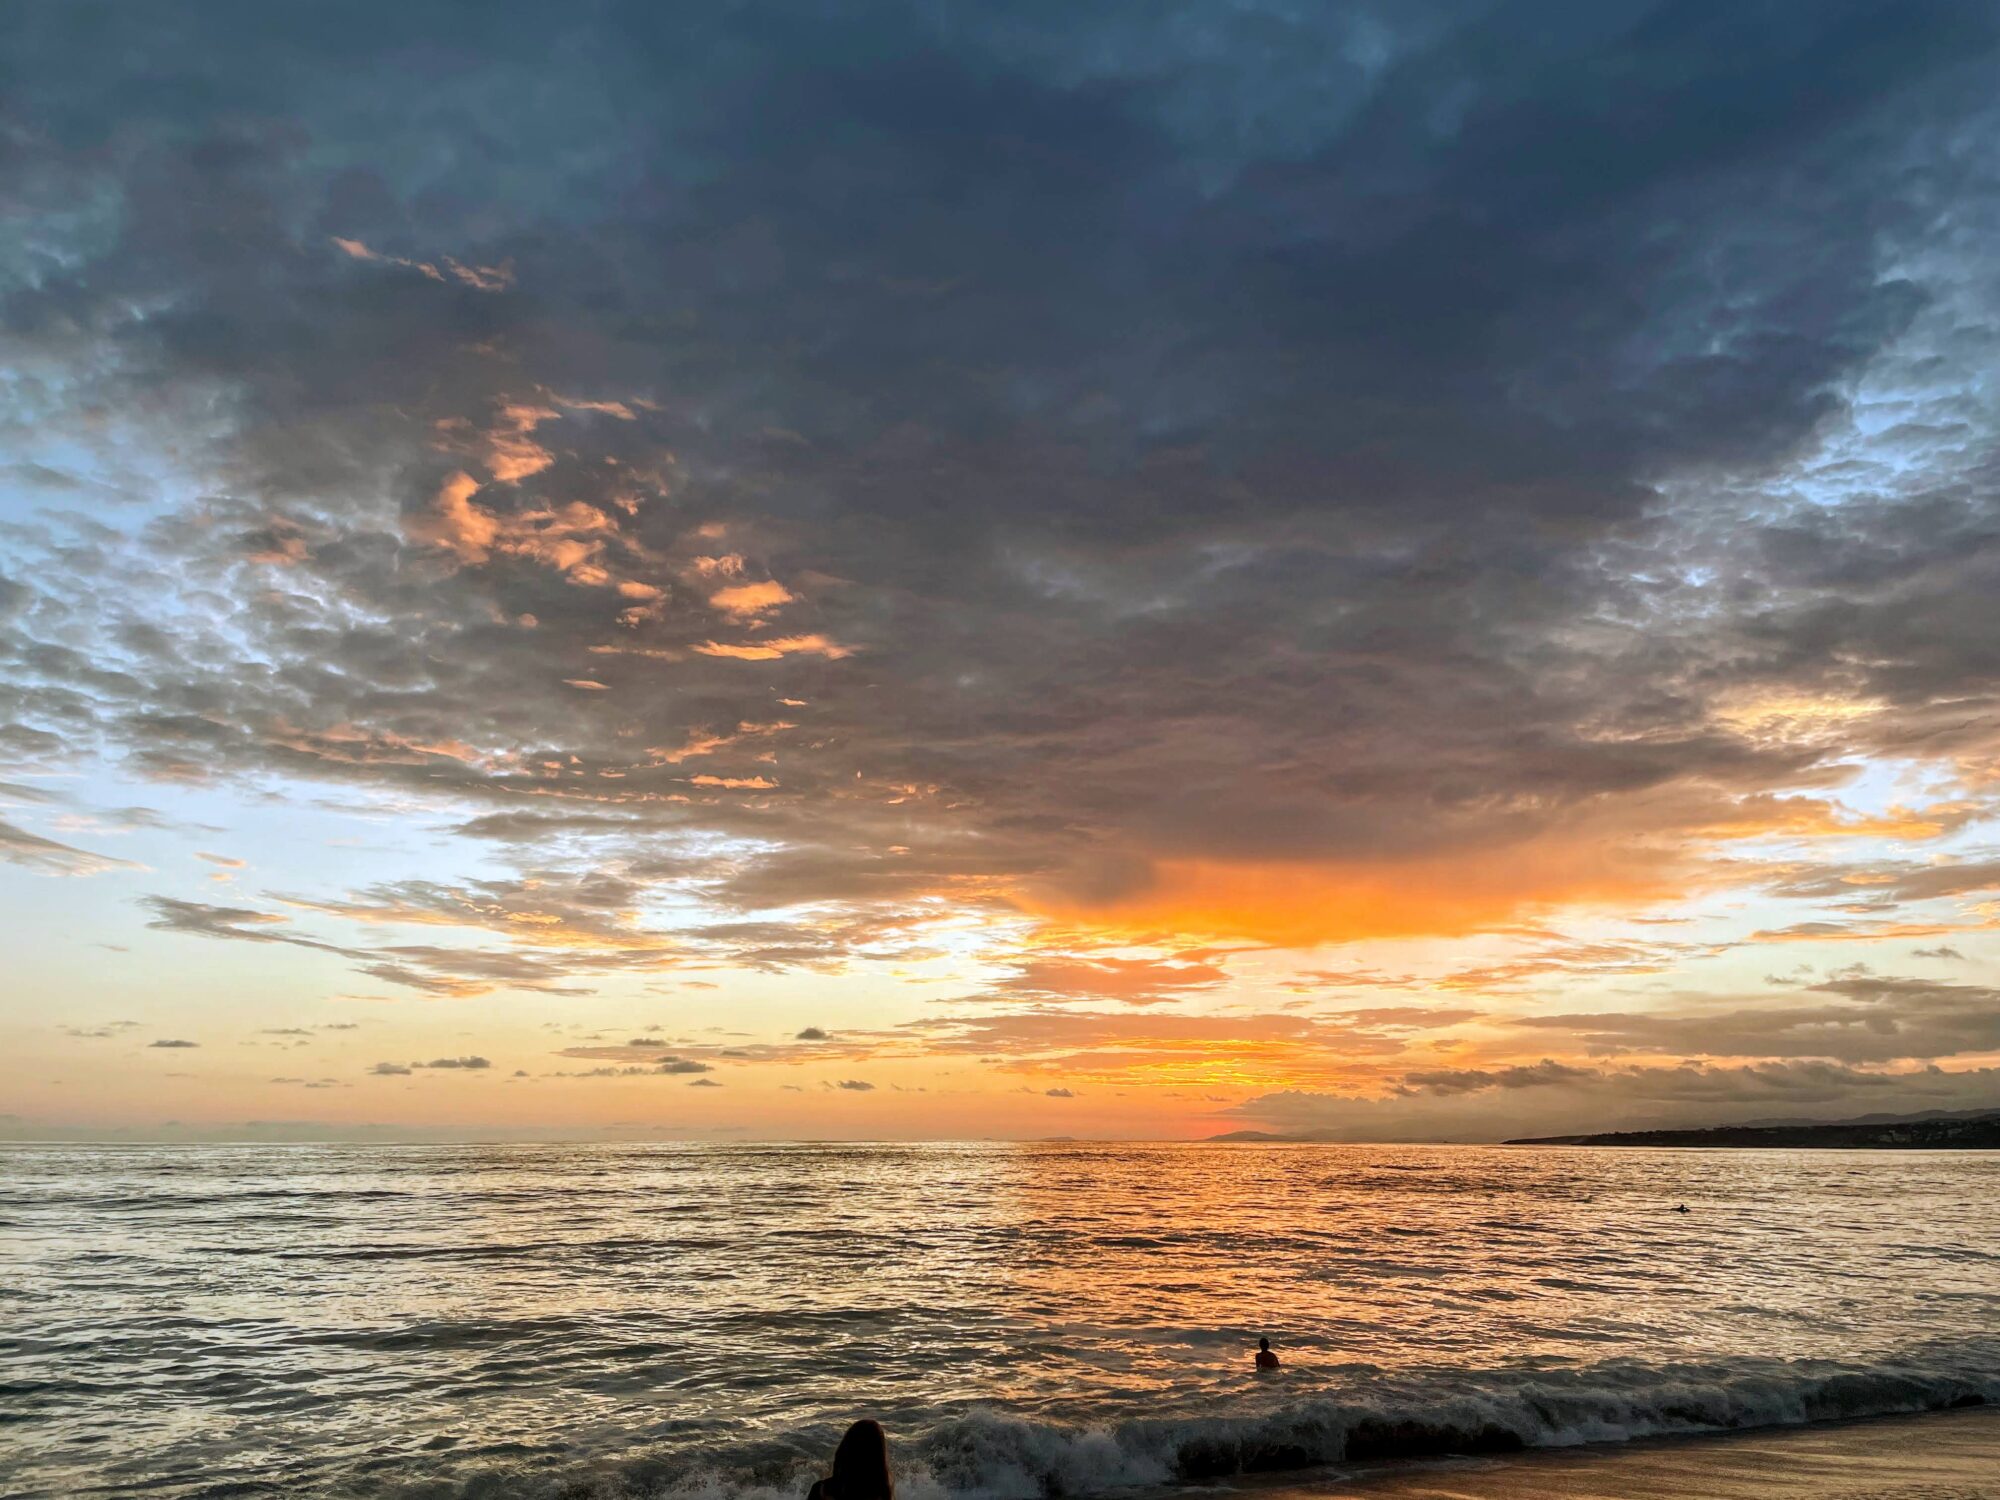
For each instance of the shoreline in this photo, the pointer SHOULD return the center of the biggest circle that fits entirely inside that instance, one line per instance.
(1945, 1455)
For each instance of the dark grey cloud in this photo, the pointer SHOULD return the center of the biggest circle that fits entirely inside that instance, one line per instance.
(1474, 1080)
(1864, 1019)
(910, 460)
(1881, 887)
(172, 1042)
(1551, 1098)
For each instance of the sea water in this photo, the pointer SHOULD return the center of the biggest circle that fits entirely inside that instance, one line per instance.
(1026, 1319)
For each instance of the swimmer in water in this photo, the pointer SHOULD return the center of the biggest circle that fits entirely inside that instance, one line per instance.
(1683, 1208)
(1266, 1360)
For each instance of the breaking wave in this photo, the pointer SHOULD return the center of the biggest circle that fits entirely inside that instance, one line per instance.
(982, 1454)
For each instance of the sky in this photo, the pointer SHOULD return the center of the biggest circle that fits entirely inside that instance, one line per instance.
(1396, 571)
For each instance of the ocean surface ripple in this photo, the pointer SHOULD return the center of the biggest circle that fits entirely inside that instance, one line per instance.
(1044, 1320)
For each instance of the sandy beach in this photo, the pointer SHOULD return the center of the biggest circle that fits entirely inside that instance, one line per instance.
(1942, 1456)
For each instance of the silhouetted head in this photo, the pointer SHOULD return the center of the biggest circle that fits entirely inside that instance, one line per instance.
(861, 1464)
(1265, 1345)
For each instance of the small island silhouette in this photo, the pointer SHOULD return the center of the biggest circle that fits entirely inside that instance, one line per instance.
(1964, 1130)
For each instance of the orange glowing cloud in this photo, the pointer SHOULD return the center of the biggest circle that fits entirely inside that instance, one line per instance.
(1769, 815)
(616, 409)
(512, 454)
(1307, 903)
(1634, 851)
(457, 523)
(771, 650)
(749, 602)
(349, 744)
(480, 278)
(571, 539)
(706, 742)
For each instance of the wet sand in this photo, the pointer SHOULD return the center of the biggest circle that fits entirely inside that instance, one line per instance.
(1943, 1456)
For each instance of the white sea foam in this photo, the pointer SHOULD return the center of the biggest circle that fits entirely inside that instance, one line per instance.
(984, 1454)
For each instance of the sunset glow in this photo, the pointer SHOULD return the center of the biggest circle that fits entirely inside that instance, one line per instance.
(1117, 591)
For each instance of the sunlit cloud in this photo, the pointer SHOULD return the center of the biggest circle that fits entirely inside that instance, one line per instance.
(776, 647)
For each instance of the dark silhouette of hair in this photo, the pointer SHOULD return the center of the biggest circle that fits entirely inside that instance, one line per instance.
(861, 1464)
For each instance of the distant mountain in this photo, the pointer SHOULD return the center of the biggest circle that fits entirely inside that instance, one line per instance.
(1883, 1119)
(1978, 1130)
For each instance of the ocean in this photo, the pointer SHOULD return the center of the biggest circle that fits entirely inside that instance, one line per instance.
(1027, 1320)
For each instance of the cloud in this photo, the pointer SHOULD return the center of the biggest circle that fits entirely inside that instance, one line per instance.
(47, 857)
(480, 278)
(390, 1070)
(555, 952)
(238, 923)
(1861, 1020)
(1157, 1046)
(855, 1085)
(775, 648)
(1058, 1094)
(1550, 1098)
(1317, 584)
(1473, 1080)
(813, 1034)
(751, 601)
(172, 1042)
(1136, 981)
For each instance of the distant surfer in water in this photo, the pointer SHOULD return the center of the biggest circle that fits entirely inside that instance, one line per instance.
(1266, 1360)
(860, 1467)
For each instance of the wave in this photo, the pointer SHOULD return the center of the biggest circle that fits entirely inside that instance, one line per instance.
(983, 1454)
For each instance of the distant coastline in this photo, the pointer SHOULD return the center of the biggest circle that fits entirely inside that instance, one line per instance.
(1933, 1130)
(1979, 1132)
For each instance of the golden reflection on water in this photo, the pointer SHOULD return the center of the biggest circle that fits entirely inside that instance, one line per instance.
(242, 1304)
